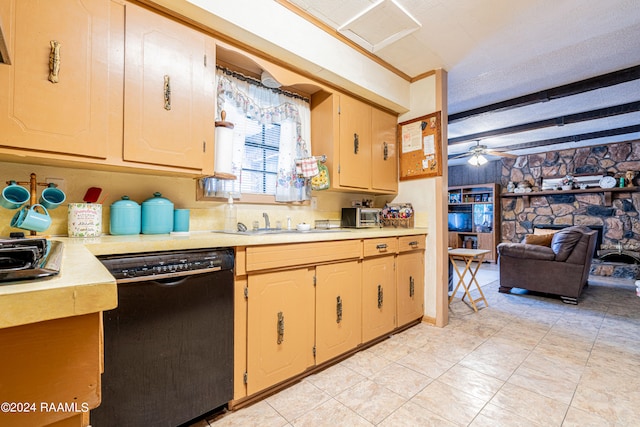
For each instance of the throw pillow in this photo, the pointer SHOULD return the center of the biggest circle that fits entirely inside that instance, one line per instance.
(539, 239)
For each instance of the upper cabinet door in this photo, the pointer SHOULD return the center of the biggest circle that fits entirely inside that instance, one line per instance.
(355, 143)
(384, 154)
(169, 101)
(54, 95)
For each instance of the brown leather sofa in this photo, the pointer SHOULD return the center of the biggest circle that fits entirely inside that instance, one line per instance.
(561, 269)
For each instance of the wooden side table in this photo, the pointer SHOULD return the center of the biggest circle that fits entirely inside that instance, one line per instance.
(468, 256)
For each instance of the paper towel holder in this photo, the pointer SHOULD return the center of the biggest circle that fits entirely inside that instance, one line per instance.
(223, 125)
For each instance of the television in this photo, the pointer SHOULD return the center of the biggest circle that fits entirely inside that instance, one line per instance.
(460, 221)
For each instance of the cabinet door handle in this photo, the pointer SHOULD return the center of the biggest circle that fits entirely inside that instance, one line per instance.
(54, 61)
(412, 287)
(280, 327)
(356, 143)
(413, 244)
(339, 309)
(167, 92)
(381, 247)
(385, 151)
(380, 296)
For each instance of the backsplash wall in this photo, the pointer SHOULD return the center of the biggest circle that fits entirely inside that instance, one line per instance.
(620, 221)
(205, 215)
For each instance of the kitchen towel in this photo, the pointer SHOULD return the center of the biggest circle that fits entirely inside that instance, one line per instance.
(307, 167)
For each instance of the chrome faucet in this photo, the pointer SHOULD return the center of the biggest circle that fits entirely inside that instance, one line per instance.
(267, 224)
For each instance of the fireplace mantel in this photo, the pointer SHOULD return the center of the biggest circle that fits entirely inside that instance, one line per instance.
(607, 193)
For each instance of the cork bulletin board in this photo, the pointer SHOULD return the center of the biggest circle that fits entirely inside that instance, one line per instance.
(420, 147)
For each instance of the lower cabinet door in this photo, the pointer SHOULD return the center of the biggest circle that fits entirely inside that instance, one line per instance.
(280, 326)
(410, 286)
(378, 297)
(338, 309)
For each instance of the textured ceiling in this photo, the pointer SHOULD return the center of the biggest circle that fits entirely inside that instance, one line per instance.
(497, 50)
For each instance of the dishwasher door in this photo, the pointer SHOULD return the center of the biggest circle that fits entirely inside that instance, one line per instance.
(168, 351)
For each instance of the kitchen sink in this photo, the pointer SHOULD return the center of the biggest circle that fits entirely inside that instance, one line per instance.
(262, 231)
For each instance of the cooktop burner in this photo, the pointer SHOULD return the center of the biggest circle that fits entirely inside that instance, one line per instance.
(23, 259)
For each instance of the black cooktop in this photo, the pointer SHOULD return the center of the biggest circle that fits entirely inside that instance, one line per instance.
(25, 259)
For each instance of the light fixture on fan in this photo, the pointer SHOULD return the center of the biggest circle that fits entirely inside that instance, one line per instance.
(477, 160)
(268, 80)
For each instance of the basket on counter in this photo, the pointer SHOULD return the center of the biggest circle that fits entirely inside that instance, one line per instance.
(397, 215)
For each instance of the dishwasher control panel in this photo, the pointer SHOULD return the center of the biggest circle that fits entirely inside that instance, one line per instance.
(150, 264)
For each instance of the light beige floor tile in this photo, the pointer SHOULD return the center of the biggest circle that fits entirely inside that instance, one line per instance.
(401, 380)
(516, 352)
(543, 383)
(416, 336)
(579, 418)
(525, 336)
(555, 366)
(530, 405)
(413, 415)
(392, 349)
(449, 403)
(494, 416)
(371, 401)
(472, 382)
(259, 414)
(614, 360)
(366, 363)
(296, 400)
(495, 359)
(331, 413)
(335, 379)
(612, 404)
(426, 363)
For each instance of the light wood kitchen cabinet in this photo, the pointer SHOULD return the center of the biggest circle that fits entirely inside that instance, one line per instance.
(280, 326)
(384, 155)
(54, 362)
(378, 296)
(353, 135)
(169, 92)
(410, 286)
(355, 143)
(338, 309)
(357, 298)
(55, 94)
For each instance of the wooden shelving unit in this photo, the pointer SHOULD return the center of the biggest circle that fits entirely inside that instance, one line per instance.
(479, 203)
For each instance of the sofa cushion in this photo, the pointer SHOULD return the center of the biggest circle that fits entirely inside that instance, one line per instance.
(524, 251)
(538, 239)
(564, 241)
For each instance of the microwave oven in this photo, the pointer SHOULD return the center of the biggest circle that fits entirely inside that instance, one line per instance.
(360, 217)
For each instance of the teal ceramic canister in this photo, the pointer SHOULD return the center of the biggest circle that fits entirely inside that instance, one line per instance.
(157, 215)
(125, 217)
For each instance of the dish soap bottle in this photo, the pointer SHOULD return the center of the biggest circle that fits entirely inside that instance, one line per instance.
(230, 216)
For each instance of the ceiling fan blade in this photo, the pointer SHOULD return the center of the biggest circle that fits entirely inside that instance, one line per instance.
(459, 156)
(499, 153)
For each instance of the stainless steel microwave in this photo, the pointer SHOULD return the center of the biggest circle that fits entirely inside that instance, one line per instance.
(360, 217)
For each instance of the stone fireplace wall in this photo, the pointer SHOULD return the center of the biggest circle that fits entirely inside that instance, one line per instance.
(620, 221)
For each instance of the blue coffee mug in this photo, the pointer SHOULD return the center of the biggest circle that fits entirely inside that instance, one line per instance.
(14, 196)
(52, 197)
(30, 219)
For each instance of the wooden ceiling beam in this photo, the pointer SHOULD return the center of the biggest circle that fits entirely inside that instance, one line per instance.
(593, 83)
(600, 113)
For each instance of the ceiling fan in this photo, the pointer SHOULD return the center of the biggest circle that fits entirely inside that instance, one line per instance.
(477, 153)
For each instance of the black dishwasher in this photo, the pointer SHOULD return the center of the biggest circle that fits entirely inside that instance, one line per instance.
(168, 346)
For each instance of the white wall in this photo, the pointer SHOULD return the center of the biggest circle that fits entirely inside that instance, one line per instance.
(426, 196)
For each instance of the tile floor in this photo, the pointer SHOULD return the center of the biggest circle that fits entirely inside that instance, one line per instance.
(525, 360)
